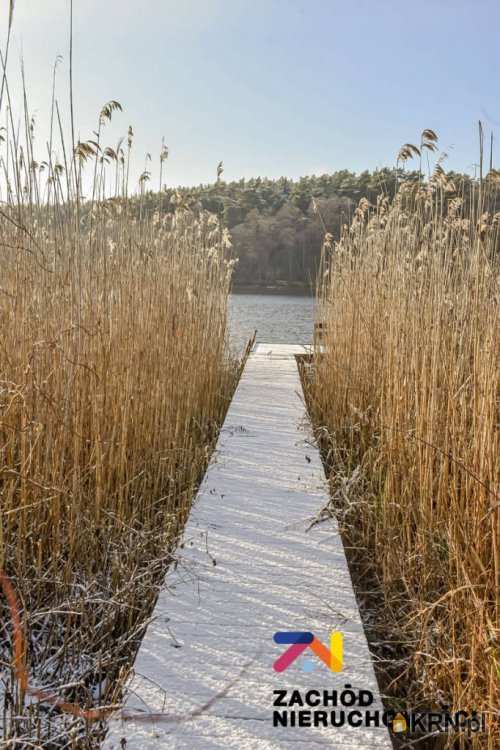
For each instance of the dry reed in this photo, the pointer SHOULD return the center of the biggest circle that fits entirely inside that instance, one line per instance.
(114, 379)
(405, 397)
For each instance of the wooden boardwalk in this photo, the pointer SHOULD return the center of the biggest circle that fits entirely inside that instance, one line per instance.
(251, 564)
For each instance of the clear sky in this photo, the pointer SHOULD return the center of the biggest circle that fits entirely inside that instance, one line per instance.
(271, 87)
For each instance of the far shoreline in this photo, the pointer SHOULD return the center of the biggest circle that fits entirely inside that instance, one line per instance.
(299, 290)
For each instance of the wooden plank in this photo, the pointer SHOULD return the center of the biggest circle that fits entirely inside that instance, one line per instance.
(250, 565)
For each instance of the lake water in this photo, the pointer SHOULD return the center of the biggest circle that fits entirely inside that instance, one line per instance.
(278, 318)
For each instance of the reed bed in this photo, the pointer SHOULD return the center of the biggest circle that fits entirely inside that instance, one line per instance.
(405, 396)
(114, 379)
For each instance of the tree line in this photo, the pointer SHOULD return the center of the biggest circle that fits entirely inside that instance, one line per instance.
(277, 226)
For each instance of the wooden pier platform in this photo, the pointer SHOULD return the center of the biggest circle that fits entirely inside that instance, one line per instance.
(251, 563)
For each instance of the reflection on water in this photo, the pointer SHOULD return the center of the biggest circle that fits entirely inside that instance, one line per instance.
(278, 318)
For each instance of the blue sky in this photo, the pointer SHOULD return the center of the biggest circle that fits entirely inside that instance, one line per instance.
(271, 87)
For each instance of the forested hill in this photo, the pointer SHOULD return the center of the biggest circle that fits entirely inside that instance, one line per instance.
(276, 229)
(275, 225)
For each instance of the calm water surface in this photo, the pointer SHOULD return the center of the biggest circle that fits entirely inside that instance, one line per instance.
(278, 318)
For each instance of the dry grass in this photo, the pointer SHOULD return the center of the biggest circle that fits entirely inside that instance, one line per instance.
(114, 379)
(406, 391)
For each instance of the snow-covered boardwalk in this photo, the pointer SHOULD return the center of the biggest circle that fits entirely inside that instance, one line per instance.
(251, 563)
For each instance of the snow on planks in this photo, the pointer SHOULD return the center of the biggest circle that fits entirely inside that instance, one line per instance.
(251, 564)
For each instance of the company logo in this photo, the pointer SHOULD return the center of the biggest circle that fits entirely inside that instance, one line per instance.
(399, 724)
(299, 641)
